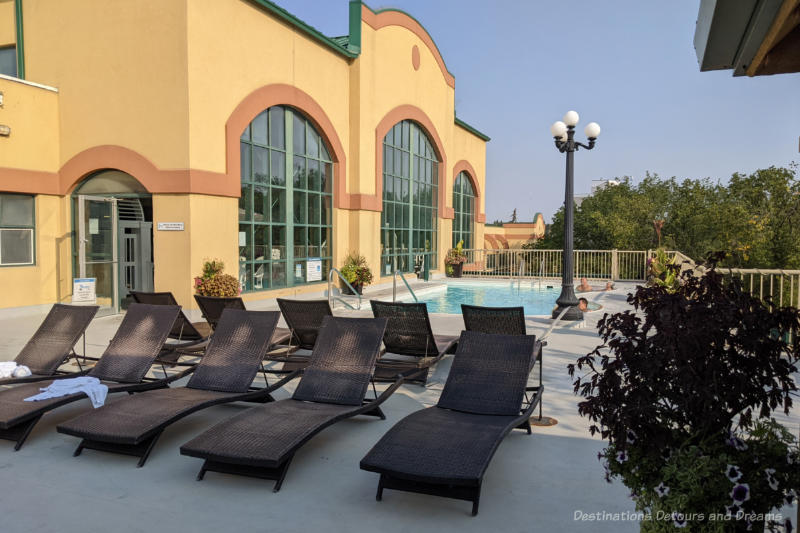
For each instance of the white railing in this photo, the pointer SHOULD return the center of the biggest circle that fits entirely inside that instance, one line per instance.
(776, 286)
(617, 265)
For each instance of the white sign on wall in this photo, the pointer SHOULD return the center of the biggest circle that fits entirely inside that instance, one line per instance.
(170, 226)
(314, 269)
(84, 290)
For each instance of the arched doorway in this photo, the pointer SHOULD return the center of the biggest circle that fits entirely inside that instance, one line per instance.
(113, 237)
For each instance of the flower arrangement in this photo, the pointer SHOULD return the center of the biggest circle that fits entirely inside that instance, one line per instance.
(683, 389)
(356, 271)
(456, 256)
(212, 282)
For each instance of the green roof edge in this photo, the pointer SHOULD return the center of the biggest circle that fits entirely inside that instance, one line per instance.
(311, 31)
(472, 130)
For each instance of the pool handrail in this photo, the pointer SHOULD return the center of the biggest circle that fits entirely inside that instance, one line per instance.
(394, 286)
(331, 299)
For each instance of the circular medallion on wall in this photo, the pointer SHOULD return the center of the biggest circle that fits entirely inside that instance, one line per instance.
(415, 57)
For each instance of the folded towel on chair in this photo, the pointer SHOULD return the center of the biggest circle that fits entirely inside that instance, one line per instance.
(90, 386)
(10, 369)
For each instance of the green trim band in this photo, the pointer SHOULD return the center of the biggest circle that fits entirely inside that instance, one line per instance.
(472, 130)
(20, 40)
(354, 21)
(305, 28)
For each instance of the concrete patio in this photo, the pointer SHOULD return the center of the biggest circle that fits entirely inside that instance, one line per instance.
(535, 483)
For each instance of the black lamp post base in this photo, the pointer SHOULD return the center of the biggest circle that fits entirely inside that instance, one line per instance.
(573, 313)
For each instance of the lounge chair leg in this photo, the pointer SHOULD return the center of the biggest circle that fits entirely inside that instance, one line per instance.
(202, 473)
(78, 450)
(20, 434)
(476, 501)
(282, 475)
(149, 449)
(378, 412)
(379, 494)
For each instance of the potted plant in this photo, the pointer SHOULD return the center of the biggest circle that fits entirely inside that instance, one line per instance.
(454, 260)
(682, 389)
(357, 273)
(212, 282)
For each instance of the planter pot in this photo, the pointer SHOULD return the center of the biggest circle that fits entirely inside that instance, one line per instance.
(457, 269)
(359, 287)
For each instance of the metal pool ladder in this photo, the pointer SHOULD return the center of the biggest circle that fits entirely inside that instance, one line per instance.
(332, 299)
(394, 286)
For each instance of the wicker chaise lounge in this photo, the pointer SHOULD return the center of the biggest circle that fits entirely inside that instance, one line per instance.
(53, 343)
(212, 307)
(411, 346)
(304, 318)
(444, 450)
(262, 441)
(191, 336)
(225, 374)
(123, 367)
(504, 321)
(498, 320)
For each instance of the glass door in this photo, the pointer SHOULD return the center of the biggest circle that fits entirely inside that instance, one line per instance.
(97, 249)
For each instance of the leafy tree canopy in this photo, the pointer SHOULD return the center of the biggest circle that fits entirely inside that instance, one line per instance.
(755, 216)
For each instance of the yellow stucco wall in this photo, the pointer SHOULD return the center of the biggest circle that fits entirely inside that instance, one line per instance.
(514, 235)
(121, 71)
(8, 34)
(165, 95)
(32, 114)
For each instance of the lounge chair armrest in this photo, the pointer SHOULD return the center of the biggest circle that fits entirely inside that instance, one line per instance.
(528, 412)
(179, 375)
(388, 392)
(278, 384)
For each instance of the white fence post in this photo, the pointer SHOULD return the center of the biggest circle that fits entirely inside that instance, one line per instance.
(614, 265)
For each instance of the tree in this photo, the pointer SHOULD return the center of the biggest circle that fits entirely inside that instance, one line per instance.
(756, 218)
(514, 216)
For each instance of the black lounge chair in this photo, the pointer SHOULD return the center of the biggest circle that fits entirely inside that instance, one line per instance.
(411, 346)
(496, 320)
(444, 450)
(225, 374)
(262, 441)
(53, 343)
(191, 336)
(212, 307)
(304, 318)
(123, 367)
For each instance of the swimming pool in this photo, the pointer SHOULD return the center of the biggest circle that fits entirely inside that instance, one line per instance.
(535, 300)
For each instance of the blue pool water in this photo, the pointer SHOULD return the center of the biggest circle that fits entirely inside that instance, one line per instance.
(536, 301)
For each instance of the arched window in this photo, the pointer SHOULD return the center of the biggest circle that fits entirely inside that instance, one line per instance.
(285, 228)
(464, 207)
(410, 192)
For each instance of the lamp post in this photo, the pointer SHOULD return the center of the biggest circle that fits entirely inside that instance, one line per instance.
(564, 135)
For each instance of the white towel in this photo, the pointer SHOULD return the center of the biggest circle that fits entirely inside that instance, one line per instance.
(10, 369)
(90, 386)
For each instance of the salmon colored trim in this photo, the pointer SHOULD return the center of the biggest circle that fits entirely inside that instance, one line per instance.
(492, 241)
(397, 18)
(28, 181)
(464, 166)
(410, 112)
(513, 225)
(153, 179)
(282, 94)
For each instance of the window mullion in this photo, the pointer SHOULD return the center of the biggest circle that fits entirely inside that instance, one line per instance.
(289, 197)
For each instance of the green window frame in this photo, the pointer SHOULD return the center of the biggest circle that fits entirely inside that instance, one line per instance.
(286, 202)
(464, 208)
(409, 218)
(17, 230)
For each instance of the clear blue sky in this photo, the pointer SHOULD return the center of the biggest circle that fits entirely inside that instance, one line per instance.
(628, 65)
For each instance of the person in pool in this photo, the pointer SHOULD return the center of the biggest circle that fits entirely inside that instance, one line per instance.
(584, 286)
(583, 304)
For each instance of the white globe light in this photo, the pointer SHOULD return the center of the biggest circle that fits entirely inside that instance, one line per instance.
(558, 129)
(592, 130)
(571, 118)
(564, 137)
